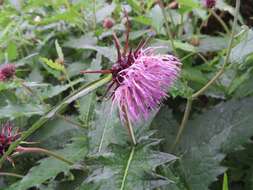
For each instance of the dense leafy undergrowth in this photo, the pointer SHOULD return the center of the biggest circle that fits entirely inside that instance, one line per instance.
(197, 136)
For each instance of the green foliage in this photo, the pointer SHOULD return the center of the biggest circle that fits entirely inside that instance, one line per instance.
(59, 109)
(207, 139)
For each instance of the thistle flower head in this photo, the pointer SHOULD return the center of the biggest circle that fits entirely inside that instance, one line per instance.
(141, 79)
(7, 136)
(7, 71)
(144, 84)
(209, 3)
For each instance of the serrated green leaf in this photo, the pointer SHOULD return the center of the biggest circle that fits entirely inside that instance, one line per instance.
(107, 129)
(128, 168)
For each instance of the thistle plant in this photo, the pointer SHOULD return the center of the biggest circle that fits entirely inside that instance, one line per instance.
(140, 79)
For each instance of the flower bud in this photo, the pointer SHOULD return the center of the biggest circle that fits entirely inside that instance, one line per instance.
(108, 23)
(209, 3)
(7, 71)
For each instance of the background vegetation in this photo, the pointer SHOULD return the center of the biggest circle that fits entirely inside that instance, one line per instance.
(51, 41)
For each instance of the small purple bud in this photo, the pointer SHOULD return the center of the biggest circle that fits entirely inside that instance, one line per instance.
(7, 71)
(209, 3)
(108, 23)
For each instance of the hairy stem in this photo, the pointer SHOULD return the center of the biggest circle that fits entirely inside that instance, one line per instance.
(129, 126)
(11, 174)
(218, 74)
(21, 149)
(84, 90)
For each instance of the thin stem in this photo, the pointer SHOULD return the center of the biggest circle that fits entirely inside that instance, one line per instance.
(203, 89)
(11, 174)
(168, 29)
(129, 126)
(21, 149)
(127, 168)
(203, 58)
(84, 90)
(183, 123)
(117, 45)
(223, 24)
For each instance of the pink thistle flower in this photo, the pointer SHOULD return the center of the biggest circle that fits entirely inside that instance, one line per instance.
(209, 3)
(144, 84)
(7, 71)
(141, 79)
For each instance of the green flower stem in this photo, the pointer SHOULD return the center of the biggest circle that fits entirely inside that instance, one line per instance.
(127, 168)
(168, 29)
(129, 126)
(183, 123)
(21, 149)
(203, 89)
(86, 89)
(11, 174)
(223, 24)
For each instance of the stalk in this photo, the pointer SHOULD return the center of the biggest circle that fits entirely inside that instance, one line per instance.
(204, 88)
(21, 149)
(129, 126)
